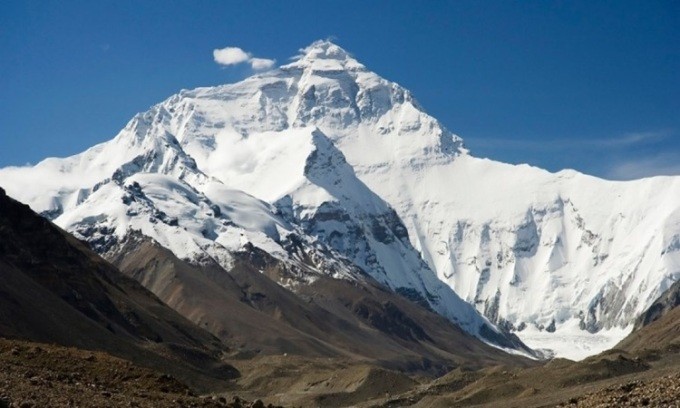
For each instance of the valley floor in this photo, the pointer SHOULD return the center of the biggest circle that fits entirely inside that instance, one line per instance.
(611, 379)
(39, 375)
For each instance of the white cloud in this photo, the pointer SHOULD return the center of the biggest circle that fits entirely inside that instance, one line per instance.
(230, 56)
(235, 55)
(261, 63)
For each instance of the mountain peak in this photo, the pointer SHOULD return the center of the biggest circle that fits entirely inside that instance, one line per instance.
(324, 55)
(325, 49)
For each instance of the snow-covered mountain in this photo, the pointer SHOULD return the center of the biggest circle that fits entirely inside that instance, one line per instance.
(324, 155)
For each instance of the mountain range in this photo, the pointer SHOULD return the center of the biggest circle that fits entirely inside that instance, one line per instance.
(57, 292)
(328, 192)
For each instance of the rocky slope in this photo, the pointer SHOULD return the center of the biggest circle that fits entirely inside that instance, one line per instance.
(658, 328)
(55, 290)
(326, 156)
(668, 301)
(350, 320)
(641, 371)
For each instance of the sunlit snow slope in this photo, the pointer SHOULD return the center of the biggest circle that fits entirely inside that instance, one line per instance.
(324, 149)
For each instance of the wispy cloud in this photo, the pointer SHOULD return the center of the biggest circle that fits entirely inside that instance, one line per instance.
(663, 164)
(628, 156)
(234, 55)
(620, 142)
(261, 63)
(634, 138)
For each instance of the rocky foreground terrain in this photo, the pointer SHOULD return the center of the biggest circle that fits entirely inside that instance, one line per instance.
(38, 375)
(610, 380)
(659, 392)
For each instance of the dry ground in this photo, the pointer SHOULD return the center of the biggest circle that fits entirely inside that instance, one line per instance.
(35, 375)
(40, 375)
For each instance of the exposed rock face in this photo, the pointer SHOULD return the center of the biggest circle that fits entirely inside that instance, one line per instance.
(658, 328)
(662, 306)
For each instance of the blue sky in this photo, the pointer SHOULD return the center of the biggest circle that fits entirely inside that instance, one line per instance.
(593, 86)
